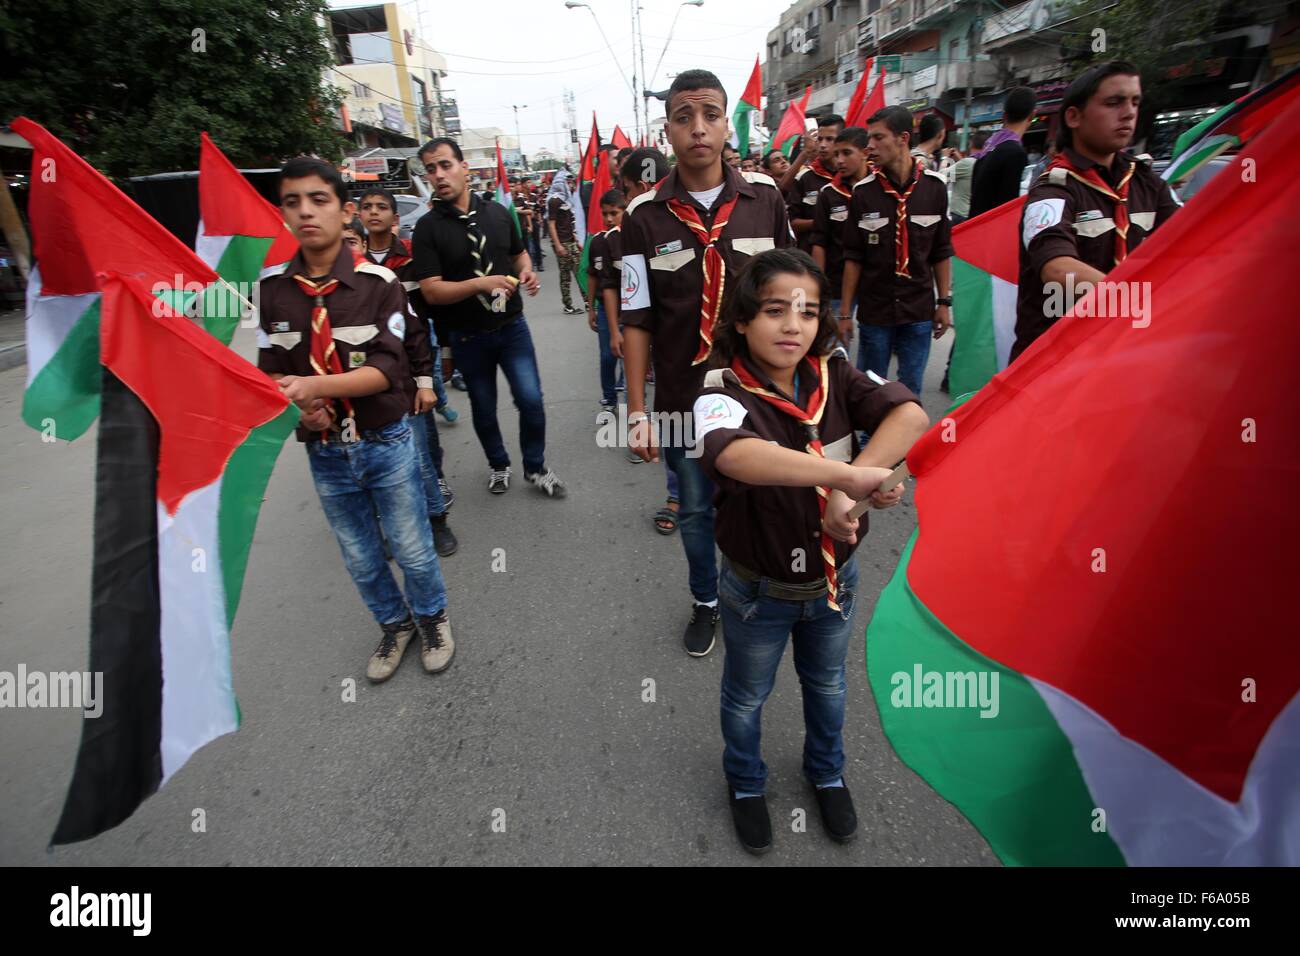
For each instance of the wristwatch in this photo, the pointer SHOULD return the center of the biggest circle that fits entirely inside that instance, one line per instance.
(945, 300)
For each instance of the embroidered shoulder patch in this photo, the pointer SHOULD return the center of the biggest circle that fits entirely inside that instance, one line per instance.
(716, 411)
(1040, 215)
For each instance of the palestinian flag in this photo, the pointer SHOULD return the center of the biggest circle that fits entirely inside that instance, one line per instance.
(240, 235)
(619, 138)
(1103, 565)
(503, 190)
(587, 169)
(83, 225)
(873, 103)
(595, 222)
(188, 436)
(985, 280)
(792, 125)
(749, 102)
(1231, 127)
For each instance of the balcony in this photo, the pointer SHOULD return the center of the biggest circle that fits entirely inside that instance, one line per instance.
(894, 21)
(1009, 26)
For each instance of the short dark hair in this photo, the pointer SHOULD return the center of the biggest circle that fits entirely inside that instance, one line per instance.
(767, 157)
(689, 80)
(728, 146)
(300, 167)
(623, 154)
(432, 147)
(854, 135)
(743, 298)
(896, 118)
(647, 159)
(830, 119)
(357, 226)
(929, 127)
(379, 191)
(1081, 90)
(614, 197)
(1020, 104)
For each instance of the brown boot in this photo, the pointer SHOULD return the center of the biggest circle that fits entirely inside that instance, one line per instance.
(383, 663)
(436, 645)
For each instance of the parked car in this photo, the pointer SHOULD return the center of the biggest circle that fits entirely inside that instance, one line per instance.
(409, 209)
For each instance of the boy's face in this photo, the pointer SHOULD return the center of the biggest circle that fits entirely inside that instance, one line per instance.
(353, 240)
(697, 127)
(785, 328)
(850, 160)
(313, 212)
(747, 166)
(886, 146)
(777, 165)
(826, 141)
(1107, 121)
(378, 214)
(611, 215)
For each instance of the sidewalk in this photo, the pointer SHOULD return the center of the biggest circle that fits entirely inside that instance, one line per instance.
(13, 339)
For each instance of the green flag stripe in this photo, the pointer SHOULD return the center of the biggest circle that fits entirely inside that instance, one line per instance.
(974, 351)
(240, 265)
(66, 389)
(243, 485)
(1014, 775)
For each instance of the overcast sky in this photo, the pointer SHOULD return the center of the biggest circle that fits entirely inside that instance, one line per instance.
(495, 49)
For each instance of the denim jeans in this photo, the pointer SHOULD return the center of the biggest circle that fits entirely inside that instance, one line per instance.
(380, 473)
(695, 522)
(425, 430)
(510, 348)
(910, 342)
(607, 360)
(754, 632)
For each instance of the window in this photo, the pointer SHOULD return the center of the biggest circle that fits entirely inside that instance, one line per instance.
(773, 51)
(873, 6)
(830, 12)
(954, 51)
(848, 76)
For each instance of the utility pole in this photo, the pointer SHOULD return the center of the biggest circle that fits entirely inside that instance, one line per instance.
(973, 41)
(519, 140)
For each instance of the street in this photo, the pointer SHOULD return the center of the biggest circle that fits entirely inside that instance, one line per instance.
(536, 747)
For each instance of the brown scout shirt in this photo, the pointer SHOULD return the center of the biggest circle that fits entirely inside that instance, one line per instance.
(663, 270)
(368, 313)
(801, 199)
(759, 527)
(561, 213)
(419, 356)
(1064, 217)
(829, 217)
(884, 297)
(608, 264)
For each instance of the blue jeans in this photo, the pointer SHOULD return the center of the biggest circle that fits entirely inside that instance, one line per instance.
(910, 342)
(380, 472)
(674, 486)
(425, 430)
(754, 632)
(607, 360)
(510, 348)
(695, 521)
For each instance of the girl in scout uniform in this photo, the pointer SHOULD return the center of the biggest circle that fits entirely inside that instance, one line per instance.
(777, 420)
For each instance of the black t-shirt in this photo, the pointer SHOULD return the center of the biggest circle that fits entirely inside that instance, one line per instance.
(996, 177)
(441, 247)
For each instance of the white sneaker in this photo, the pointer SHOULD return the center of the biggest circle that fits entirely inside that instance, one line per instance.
(547, 481)
(499, 481)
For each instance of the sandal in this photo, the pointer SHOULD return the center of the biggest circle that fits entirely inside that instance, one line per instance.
(666, 518)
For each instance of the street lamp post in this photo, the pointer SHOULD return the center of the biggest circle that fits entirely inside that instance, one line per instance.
(636, 106)
(662, 53)
(519, 140)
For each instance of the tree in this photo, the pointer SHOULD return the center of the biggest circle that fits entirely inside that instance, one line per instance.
(129, 84)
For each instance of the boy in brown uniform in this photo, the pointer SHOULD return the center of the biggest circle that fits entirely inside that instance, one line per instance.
(331, 335)
(897, 247)
(832, 212)
(682, 242)
(602, 285)
(814, 167)
(1092, 206)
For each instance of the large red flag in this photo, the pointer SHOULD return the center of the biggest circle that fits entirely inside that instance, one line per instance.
(859, 93)
(587, 171)
(872, 104)
(619, 138)
(792, 124)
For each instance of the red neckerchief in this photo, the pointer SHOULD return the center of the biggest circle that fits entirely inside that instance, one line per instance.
(810, 417)
(842, 186)
(817, 167)
(715, 267)
(900, 224)
(1119, 196)
(398, 255)
(324, 356)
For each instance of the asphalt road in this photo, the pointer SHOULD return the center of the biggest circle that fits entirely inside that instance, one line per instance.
(540, 716)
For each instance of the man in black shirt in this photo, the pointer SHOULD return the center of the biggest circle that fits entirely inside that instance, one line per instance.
(470, 262)
(996, 177)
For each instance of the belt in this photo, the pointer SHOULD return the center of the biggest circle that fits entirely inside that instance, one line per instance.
(781, 590)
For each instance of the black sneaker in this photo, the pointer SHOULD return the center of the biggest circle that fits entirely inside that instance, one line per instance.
(839, 819)
(547, 482)
(753, 825)
(458, 381)
(444, 539)
(499, 480)
(699, 633)
(570, 310)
